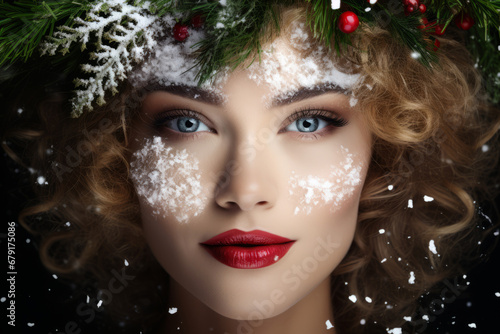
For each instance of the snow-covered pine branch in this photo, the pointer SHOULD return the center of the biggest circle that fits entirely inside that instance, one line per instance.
(121, 40)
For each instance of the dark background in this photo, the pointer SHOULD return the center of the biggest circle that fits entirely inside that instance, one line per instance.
(45, 304)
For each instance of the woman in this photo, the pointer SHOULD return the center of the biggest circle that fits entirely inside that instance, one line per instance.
(303, 192)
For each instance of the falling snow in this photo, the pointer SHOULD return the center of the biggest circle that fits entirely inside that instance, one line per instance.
(41, 180)
(411, 280)
(335, 4)
(428, 198)
(432, 247)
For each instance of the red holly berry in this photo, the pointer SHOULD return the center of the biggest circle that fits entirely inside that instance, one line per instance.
(439, 30)
(464, 21)
(197, 21)
(411, 3)
(437, 44)
(180, 32)
(424, 24)
(409, 10)
(348, 22)
(422, 8)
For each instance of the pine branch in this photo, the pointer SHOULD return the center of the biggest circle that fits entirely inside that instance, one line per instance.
(234, 33)
(24, 24)
(121, 39)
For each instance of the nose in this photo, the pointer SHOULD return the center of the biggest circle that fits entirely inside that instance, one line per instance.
(250, 185)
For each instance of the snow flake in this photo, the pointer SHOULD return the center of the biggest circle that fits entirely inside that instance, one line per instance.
(472, 325)
(353, 298)
(328, 324)
(31, 324)
(172, 310)
(428, 198)
(411, 280)
(432, 247)
(335, 4)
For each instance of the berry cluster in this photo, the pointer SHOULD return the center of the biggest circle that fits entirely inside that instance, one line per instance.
(412, 6)
(348, 21)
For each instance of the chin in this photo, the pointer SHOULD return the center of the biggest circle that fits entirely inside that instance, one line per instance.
(249, 310)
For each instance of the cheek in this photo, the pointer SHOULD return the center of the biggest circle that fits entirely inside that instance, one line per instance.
(343, 180)
(167, 181)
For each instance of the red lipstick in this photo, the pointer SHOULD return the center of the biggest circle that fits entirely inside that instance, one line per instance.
(247, 250)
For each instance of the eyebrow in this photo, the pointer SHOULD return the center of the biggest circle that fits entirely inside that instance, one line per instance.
(205, 96)
(304, 93)
(191, 92)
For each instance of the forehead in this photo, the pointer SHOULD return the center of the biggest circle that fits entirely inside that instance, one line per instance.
(289, 64)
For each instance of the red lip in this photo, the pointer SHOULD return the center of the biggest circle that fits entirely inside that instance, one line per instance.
(247, 250)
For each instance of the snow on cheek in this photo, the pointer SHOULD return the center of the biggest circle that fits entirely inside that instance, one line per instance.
(168, 181)
(333, 191)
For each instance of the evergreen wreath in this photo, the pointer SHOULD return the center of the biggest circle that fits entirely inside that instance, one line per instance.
(117, 34)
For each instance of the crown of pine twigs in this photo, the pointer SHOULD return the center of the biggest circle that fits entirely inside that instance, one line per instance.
(118, 34)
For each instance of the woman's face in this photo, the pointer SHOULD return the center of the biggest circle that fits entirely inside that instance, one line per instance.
(250, 156)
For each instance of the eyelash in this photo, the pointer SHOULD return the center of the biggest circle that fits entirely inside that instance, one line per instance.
(160, 121)
(336, 121)
(323, 114)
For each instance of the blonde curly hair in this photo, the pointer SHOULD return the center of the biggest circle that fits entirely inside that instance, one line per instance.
(427, 171)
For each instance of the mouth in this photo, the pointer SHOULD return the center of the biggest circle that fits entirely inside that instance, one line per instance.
(247, 250)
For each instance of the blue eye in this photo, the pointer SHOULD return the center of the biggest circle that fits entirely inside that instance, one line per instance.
(310, 124)
(186, 125)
